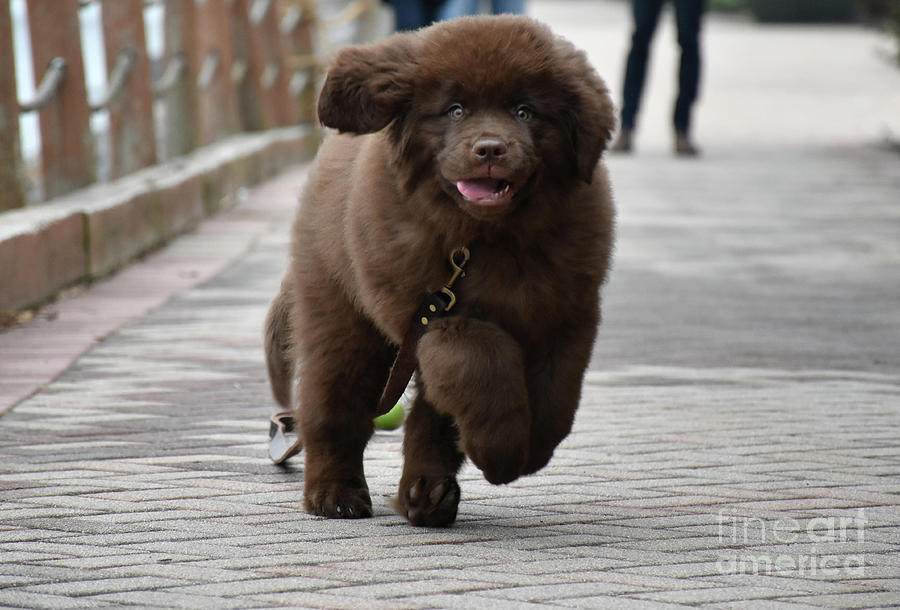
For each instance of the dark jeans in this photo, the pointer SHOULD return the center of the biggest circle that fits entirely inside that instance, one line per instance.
(414, 14)
(688, 14)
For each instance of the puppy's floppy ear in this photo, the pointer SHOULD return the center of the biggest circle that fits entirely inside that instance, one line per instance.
(367, 86)
(591, 117)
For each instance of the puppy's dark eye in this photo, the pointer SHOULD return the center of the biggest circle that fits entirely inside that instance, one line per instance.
(456, 111)
(524, 113)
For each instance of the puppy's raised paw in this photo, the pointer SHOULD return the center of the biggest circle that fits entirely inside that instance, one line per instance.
(429, 503)
(337, 501)
(500, 462)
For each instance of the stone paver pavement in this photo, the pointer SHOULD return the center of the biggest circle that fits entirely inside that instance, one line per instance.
(738, 444)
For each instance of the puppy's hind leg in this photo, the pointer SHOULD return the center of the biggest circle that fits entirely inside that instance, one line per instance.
(279, 356)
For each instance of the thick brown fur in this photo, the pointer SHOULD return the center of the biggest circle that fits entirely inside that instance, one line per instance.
(499, 380)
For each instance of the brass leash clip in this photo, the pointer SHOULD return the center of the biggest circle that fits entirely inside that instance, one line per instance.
(458, 259)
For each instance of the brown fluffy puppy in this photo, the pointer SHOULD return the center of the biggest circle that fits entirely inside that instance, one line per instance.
(482, 132)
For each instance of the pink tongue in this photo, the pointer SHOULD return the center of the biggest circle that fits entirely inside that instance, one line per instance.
(482, 188)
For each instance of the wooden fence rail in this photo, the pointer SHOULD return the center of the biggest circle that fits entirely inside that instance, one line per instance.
(229, 66)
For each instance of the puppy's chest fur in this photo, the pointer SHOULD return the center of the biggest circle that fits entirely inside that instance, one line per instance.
(523, 292)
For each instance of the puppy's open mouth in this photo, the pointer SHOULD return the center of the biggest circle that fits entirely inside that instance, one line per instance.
(486, 191)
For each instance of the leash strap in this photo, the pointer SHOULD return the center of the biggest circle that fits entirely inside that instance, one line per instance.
(284, 442)
(436, 305)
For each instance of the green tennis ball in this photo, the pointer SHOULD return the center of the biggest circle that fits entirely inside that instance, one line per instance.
(390, 420)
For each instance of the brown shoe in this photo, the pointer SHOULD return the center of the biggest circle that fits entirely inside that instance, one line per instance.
(684, 147)
(623, 142)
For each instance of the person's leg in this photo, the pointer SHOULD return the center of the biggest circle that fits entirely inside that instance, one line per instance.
(432, 10)
(409, 14)
(457, 8)
(508, 6)
(646, 16)
(688, 16)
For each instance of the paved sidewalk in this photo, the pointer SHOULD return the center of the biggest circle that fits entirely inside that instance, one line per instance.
(738, 444)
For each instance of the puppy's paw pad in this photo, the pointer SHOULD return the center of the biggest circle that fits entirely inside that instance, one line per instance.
(429, 503)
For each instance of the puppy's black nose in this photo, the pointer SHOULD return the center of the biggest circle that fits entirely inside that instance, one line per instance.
(488, 149)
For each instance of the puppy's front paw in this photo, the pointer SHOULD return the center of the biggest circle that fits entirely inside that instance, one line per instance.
(430, 503)
(337, 501)
(500, 457)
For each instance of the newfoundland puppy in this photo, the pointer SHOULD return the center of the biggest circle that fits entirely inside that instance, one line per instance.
(472, 142)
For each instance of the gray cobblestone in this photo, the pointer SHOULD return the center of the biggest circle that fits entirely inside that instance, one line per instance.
(712, 595)
(170, 599)
(616, 603)
(104, 585)
(554, 593)
(337, 600)
(771, 604)
(883, 599)
(474, 601)
(22, 598)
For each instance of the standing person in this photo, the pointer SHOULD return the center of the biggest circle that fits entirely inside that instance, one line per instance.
(688, 15)
(414, 14)
(457, 8)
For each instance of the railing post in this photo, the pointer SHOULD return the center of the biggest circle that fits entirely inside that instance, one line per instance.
(265, 101)
(181, 101)
(130, 106)
(67, 158)
(212, 39)
(11, 192)
(297, 27)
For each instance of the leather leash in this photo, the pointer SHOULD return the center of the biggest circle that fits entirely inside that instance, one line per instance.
(285, 442)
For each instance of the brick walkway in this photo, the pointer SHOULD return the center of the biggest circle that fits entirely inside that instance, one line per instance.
(738, 444)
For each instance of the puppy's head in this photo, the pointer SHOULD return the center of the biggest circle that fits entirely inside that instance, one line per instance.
(492, 109)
